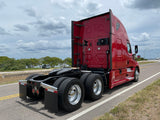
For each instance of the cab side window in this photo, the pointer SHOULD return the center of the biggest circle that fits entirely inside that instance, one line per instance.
(129, 48)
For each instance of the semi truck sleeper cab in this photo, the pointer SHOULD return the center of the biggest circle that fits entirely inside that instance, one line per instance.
(101, 57)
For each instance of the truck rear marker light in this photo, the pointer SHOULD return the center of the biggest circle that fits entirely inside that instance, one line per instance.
(50, 90)
(37, 92)
(46, 89)
(23, 82)
(56, 92)
(33, 91)
(20, 83)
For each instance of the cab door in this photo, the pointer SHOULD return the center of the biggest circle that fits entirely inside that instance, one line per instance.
(129, 62)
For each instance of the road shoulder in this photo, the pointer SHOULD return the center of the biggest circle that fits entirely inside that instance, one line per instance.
(142, 105)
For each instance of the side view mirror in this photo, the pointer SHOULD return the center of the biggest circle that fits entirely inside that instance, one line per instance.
(136, 49)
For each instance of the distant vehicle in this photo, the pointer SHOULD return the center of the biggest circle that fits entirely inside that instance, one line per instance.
(38, 66)
(46, 66)
(138, 56)
(101, 57)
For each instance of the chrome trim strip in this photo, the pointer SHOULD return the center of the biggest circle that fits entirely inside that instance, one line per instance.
(49, 87)
(23, 82)
(85, 71)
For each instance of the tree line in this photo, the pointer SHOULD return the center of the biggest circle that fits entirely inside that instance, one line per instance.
(7, 63)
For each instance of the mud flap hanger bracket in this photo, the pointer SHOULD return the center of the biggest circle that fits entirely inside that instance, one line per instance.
(50, 97)
(23, 89)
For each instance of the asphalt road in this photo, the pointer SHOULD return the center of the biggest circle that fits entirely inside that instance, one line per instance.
(13, 108)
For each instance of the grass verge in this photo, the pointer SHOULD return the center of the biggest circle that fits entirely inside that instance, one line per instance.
(8, 82)
(141, 63)
(12, 79)
(143, 105)
(28, 69)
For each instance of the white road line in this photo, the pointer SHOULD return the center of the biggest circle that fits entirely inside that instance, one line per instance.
(108, 99)
(8, 84)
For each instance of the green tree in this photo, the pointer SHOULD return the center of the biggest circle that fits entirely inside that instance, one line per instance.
(25, 62)
(52, 61)
(2, 59)
(34, 61)
(46, 60)
(68, 61)
(140, 59)
(56, 61)
(30, 62)
(11, 64)
(7, 63)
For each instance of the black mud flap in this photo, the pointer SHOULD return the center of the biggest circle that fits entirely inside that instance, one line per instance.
(51, 101)
(23, 91)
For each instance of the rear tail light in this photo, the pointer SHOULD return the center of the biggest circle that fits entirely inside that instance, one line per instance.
(37, 92)
(56, 92)
(20, 83)
(33, 91)
(51, 90)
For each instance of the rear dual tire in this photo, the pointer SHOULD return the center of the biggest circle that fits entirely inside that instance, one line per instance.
(94, 86)
(70, 94)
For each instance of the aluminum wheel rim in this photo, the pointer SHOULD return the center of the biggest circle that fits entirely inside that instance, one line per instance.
(97, 87)
(137, 75)
(74, 94)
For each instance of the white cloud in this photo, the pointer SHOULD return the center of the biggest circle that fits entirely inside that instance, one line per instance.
(42, 48)
(2, 4)
(84, 8)
(43, 45)
(141, 4)
(19, 27)
(143, 40)
(148, 45)
(89, 9)
(4, 48)
(66, 4)
(49, 25)
(3, 31)
(32, 12)
(140, 37)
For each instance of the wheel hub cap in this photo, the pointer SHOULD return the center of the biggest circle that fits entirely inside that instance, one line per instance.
(97, 87)
(74, 94)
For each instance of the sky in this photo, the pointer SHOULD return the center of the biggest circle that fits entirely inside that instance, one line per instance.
(39, 28)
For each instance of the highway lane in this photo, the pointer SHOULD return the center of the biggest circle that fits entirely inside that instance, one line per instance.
(16, 109)
(10, 89)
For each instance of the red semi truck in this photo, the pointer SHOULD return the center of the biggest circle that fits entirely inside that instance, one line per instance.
(101, 57)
